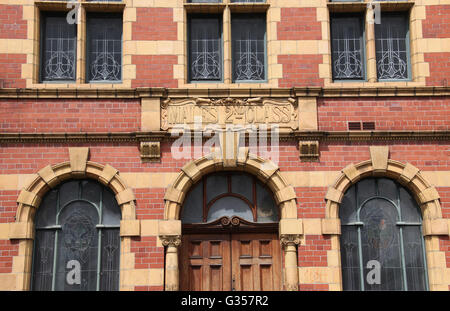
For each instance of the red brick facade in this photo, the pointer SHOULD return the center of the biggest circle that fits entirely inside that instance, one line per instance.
(23, 114)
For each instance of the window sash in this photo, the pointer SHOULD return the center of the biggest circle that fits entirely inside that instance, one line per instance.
(392, 47)
(348, 48)
(50, 243)
(205, 48)
(356, 232)
(104, 48)
(58, 49)
(249, 57)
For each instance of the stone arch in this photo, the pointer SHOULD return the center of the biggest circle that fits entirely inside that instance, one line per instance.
(411, 178)
(267, 172)
(52, 175)
(407, 175)
(49, 177)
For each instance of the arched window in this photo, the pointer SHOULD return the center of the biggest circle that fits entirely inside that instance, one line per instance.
(382, 246)
(77, 241)
(227, 195)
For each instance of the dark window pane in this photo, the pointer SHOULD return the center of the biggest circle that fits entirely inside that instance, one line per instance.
(91, 191)
(205, 48)
(350, 258)
(397, 247)
(249, 47)
(111, 211)
(109, 276)
(391, 40)
(192, 211)
(77, 238)
(216, 185)
(410, 211)
(365, 189)
(46, 212)
(242, 184)
(380, 241)
(104, 48)
(414, 258)
(347, 48)
(43, 260)
(77, 247)
(347, 209)
(230, 206)
(69, 191)
(387, 188)
(59, 42)
(267, 210)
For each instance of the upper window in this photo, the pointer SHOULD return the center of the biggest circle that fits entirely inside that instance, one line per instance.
(382, 245)
(347, 45)
(205, 48)
(58, 48)
(392, 47)
(77, 241)
(104, 48)
(248, 33)
(229, 195)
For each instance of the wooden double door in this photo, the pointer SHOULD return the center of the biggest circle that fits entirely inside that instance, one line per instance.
(230, 261)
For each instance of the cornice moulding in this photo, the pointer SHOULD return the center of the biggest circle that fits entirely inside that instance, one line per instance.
(7, 138)
(217, 93)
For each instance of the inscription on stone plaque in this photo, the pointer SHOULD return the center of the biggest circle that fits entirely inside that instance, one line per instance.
(224, 111)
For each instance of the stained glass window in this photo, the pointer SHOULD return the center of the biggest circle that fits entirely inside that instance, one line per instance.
(229, 194)
(382, 246)
(58, 48)
(205, 48)
(392, 47)
(248, 34)
(104, 48)
(77, 242)
(347, 47)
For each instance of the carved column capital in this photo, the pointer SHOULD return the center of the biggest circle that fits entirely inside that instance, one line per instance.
(171, 240)
(289, 239)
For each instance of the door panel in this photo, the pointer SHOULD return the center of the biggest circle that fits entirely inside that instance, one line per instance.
(205, 262)
(256, 263)
(222, 262)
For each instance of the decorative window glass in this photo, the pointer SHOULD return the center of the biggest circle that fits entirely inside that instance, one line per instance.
(229, 195)
(392, 47)
(205, 48)
(58, 48)
(347, 45)
(77, 241)
(248, 34)
(104, 48)
(381, 229)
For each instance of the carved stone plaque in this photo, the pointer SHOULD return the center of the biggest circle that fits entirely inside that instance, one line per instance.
(224, 111)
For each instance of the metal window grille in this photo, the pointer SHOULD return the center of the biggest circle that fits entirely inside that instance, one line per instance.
(347, 46)
(381, 221)
(77, 223)
(104, 48)
(249, 47)
(205, 49)
(58, 42)
(392, 47)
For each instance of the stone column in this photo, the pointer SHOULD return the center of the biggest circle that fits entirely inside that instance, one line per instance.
(289, 243)
(172, 274)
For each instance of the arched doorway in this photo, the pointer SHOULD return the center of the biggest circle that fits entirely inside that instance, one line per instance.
(230, 235)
